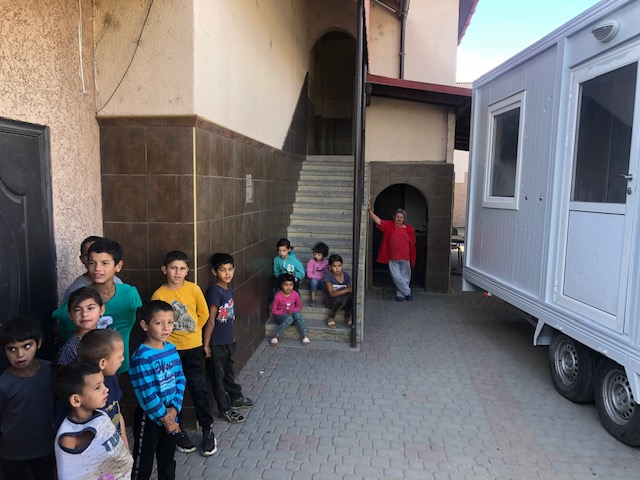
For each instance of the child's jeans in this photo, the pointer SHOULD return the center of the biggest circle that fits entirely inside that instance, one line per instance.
(285, 320)
(338, 303)
(315, 285)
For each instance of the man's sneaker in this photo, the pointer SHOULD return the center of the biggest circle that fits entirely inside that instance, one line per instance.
(209, 444)
(184, 443)
(232, 416)
(243, 402)
(409, 297)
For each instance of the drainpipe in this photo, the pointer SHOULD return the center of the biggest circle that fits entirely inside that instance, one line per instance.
(403, 27)
(358, 173)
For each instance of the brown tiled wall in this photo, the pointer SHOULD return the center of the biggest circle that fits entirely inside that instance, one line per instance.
(149, 186)
(435, 182)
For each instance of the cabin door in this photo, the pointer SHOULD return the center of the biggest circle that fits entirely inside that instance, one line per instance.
(603, 145)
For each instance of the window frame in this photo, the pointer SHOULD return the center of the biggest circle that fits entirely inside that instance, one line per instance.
(494, 110)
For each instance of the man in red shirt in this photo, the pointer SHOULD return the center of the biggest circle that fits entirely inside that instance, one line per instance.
(398, 250)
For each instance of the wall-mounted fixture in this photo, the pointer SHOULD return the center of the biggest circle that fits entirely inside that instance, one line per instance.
(606, 30)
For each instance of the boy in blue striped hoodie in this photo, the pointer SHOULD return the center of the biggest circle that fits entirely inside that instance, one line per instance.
(158, 383)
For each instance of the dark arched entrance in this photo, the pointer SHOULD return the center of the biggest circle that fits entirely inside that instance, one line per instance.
(414, 203)
(331, 83)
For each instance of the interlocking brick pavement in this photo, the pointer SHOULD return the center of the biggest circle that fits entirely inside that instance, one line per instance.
(444, 387)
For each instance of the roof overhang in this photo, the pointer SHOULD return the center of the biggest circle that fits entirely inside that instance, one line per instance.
(457, 98)
(466, 9)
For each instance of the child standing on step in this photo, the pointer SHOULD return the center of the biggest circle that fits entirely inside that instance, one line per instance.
(339, 289)
(287, 309)
(317, 266)
(287, 262)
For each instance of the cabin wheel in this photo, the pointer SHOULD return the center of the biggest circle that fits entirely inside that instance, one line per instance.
(572, 367)
(616, 406)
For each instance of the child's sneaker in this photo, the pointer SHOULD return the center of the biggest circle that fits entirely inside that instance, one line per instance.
(209, 444)
(232, 416)
(312, 303)
(184, 443)
(242, 402)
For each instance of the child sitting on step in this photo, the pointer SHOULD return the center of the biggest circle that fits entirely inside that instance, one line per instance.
(287, 308)
(316, 268)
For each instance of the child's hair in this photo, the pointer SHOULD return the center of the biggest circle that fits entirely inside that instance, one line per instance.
(89, 239)
(285, 277)
(148, 311)
(106, 245)
(284, 242)
(175, 256)
(82, 294)
(219, 259)
(335, 258)
(98, 344)
(70, 379)
(20, 329)
(322, 248)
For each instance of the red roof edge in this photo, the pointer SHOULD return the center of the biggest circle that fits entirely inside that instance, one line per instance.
(426, 87)
(463, 28)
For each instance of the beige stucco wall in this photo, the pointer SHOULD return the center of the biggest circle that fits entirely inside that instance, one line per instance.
(252, 56)
(40, 84)
(144, 57)
(431, 41)
(406, 131)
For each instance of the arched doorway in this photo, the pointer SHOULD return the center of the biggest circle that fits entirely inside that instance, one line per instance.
(414, 203)
(331, 85)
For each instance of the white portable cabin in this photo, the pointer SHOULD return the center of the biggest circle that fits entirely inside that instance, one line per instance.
(553, 221)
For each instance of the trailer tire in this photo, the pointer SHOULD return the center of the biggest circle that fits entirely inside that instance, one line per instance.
(572, 367)
(618, 411)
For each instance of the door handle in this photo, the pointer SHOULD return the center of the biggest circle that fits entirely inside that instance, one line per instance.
(627, 176)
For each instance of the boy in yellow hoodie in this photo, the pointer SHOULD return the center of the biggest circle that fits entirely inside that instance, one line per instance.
(190, 312)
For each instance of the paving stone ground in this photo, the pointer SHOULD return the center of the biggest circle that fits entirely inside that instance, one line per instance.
(444, 387)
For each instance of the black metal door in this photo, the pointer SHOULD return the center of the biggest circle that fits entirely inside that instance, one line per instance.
(27, 254)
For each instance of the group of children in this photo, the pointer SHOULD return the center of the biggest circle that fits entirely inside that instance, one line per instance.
(65, 416)
(324, 272)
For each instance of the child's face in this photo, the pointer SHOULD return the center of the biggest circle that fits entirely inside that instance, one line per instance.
(159, 327)
(84, 254)
(21, 354)
(318, 256)
(111, 364)
(284, 251)
(225, 272)
(336, 268)
(176, 272)
(287, 287)
(102, 267)
(85, 315)
(94, 393)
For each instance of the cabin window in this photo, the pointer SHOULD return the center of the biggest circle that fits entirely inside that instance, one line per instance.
(604, 137)
(503, 155)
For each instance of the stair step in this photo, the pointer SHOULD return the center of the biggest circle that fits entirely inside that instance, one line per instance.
(317, 327)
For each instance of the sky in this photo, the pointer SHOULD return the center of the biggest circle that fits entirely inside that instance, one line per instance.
(501, 28)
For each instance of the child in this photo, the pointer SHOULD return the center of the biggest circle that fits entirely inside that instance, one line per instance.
(287, 309)
(287, 262)
(121, 300)
(158, 383)
(338, 287)
(105, 349)
(190, 313)
(84, 280)
(85, 309)
(26, 404)
(220, 342)
(316, 268)
(87, 444)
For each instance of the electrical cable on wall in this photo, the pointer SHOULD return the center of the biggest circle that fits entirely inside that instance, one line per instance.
(144, 24)
(84, 90)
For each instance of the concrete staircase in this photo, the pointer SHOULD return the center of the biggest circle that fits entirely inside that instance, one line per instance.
(322, 212)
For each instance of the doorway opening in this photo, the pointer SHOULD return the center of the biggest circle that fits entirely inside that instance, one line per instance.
(411, 200)
(331, 85)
